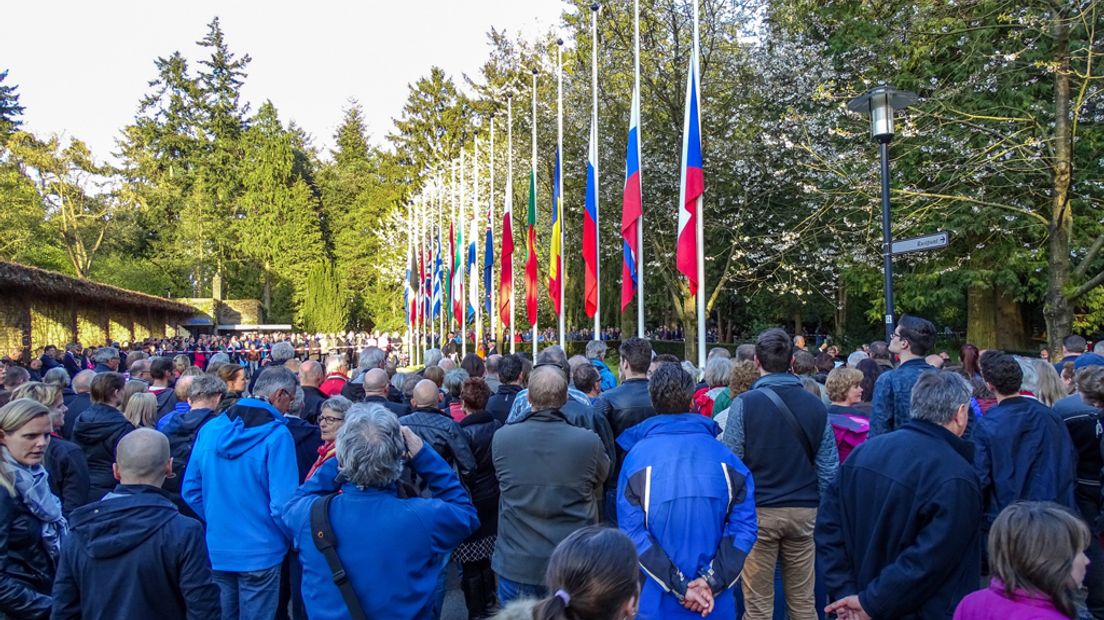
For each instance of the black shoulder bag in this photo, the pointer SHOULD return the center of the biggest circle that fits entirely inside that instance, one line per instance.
(791, 421)
(326, 542)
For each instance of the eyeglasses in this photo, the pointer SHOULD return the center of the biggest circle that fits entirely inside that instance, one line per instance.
(329, 419)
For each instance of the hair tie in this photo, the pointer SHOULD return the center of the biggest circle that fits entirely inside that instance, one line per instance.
(563, 596)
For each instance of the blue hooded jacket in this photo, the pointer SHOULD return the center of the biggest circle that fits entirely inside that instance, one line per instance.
(688, 504)
(241, 473)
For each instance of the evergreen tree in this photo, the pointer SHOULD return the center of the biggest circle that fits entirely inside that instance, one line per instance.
(10, 110)
(325, 307)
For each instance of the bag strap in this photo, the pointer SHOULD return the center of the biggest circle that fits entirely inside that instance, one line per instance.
(326, 542)
(791, 421)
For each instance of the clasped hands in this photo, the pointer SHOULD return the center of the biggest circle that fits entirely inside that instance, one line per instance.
(699, 597)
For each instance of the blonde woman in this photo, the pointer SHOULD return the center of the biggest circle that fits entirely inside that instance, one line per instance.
(141, 411)
(64, 459)
(132, 387)
(30, 514)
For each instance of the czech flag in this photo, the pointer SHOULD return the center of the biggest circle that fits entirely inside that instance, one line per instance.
(590, 227)
(555, 267)
(692, 185)
(506, 273)
(531, 249)
(632, 208)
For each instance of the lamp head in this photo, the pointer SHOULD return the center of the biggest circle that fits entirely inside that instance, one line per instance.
(880, 103)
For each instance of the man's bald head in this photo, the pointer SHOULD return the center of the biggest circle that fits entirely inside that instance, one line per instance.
(375, 382)
(547, 388)
(142, 457)
(446, 364)
(183, 384)
(311, 374)
(426, 394)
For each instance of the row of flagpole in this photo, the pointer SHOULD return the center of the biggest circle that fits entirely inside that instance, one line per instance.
(447, 277)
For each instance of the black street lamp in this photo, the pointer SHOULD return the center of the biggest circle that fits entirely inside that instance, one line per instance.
(880, 104)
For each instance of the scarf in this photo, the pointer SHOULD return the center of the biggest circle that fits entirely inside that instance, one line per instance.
(33, 487)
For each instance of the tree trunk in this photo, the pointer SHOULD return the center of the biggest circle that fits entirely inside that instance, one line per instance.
(1011, 332)
(798, 329)
(981, 317)
(841, 313)
(1058, 309)
(266, 293)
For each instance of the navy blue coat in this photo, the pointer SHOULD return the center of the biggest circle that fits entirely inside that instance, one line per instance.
(134, 551)
(900, 525)
(893, 396)
(98, 431)
(1023, 452)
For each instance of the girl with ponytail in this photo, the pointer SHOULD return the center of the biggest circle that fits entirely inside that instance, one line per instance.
(592, 575)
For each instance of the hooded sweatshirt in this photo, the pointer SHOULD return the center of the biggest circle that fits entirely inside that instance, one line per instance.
(134, 551)
(241, 473)
(98, 431)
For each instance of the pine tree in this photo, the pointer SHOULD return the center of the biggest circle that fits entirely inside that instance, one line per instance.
(10, 110)
(325, 308)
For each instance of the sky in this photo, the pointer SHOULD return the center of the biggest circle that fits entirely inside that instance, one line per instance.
(82, 67)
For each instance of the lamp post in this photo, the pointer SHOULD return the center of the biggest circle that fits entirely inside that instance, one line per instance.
(880, 103)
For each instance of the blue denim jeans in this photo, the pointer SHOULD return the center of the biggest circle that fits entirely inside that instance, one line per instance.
(513, 590)
(245, 596)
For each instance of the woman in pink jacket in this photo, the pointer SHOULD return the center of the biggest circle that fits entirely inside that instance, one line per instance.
(1037, 555)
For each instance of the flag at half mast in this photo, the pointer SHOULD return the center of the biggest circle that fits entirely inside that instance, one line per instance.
(590, 227)
(692, 185)
(555, 263)
(531, 250)
(632, 208)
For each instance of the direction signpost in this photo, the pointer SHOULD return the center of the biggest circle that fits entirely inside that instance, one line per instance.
(933, 241)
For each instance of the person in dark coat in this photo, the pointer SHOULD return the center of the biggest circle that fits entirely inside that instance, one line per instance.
(49, 359)
(310, 378)
(98, 430)
(65, 464)
(1022, 450)
(550, 475)
(31, 523)
(376, 384)
(204, 395)
(82, 386)
(913, 339)
(106, 359)
(72, 359)
(477, 580)
(510, 373)
(14, 376)
(898, 533)
(438, 430)
(307, 436)
(1081, 413)
(133, 553)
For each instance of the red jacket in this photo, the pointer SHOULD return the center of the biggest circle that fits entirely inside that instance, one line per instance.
(333, 384)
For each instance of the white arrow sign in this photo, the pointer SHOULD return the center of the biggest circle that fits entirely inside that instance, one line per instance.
(921, 244)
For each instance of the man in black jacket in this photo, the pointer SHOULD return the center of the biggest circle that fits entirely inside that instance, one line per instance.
(376, 384)
(510, 375)
(899, 532)
(437, 429)
(311, 375)
(133, 550)
(82, 399)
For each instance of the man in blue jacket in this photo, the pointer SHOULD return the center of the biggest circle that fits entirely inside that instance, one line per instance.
(133, 554)
(913, 339)
(897, 534)
(1023, 450)
(392, 549)
(241, 473)
(687, 503)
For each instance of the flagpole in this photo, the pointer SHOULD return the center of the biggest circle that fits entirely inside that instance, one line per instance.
(510, 189)
(474, 295)
(640, 176)
(463, 252)
(699, 232)
(491, 301)
(594, 123)
(534, 173)
(559, 185)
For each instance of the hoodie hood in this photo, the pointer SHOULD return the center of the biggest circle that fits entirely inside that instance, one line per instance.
(188, 422)
(251, 422)
(125, 519)
(668, 424)
(98, 423)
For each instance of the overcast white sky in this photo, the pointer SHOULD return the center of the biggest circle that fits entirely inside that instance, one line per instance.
(81, 67)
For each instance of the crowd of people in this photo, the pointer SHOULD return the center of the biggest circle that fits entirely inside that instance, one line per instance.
(889, 482)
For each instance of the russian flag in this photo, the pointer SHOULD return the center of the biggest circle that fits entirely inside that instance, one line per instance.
(555, 263)
(632, 207)
(692, 185)
(590, 227)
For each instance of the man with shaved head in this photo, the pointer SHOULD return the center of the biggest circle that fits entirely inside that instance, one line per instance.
(437, 428)
(133, 550)
(376, 386)
(550, 476)
(311, 376)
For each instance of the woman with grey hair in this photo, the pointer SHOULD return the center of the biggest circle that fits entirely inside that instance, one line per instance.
(454, 380)
(717, 370)
(394, 571)
(330, 419)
